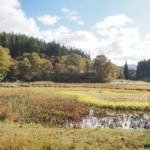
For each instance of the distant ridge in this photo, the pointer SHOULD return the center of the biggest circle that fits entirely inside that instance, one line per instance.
(130, 66)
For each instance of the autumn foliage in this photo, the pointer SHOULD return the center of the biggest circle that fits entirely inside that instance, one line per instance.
(29, 59)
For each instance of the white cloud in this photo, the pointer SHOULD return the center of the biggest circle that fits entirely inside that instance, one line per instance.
(65, 10)
(13, 18)
(48, 19)
(121, 42)
(147, 37)
(72, 13)
(113, 21)
(81, 22)
(63, 30)
(73, 16)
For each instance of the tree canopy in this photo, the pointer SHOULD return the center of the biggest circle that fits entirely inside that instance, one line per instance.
(4, 62)
(126, 71)
(143, 70)
(31, 59)
(18, 44)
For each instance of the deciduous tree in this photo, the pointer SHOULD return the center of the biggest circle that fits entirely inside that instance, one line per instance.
(74, 63)
(4, 62)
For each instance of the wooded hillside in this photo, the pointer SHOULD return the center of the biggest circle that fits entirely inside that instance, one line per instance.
(31, 59)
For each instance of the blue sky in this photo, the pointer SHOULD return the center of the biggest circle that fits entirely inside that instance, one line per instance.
(91, 11)
(120, 29)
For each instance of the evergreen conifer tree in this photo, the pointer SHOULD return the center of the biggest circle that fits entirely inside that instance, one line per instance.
(126, 71)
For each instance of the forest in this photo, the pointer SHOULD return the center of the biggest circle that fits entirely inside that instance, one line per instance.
(27, 58)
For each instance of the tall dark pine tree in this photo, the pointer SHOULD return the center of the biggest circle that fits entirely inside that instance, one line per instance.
(126, 71)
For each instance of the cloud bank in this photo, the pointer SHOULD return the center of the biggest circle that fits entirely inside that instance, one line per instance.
(14, 19)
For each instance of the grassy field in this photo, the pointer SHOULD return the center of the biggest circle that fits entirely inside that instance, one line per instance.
(31, 114)
(39, 138)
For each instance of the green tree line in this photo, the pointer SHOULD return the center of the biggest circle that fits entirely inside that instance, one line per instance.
(30, 59)
(143, 70)
(20, 43)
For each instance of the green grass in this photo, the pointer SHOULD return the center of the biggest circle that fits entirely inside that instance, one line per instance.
(122, 101)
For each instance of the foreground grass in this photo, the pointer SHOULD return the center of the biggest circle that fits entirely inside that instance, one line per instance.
(40, 138)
